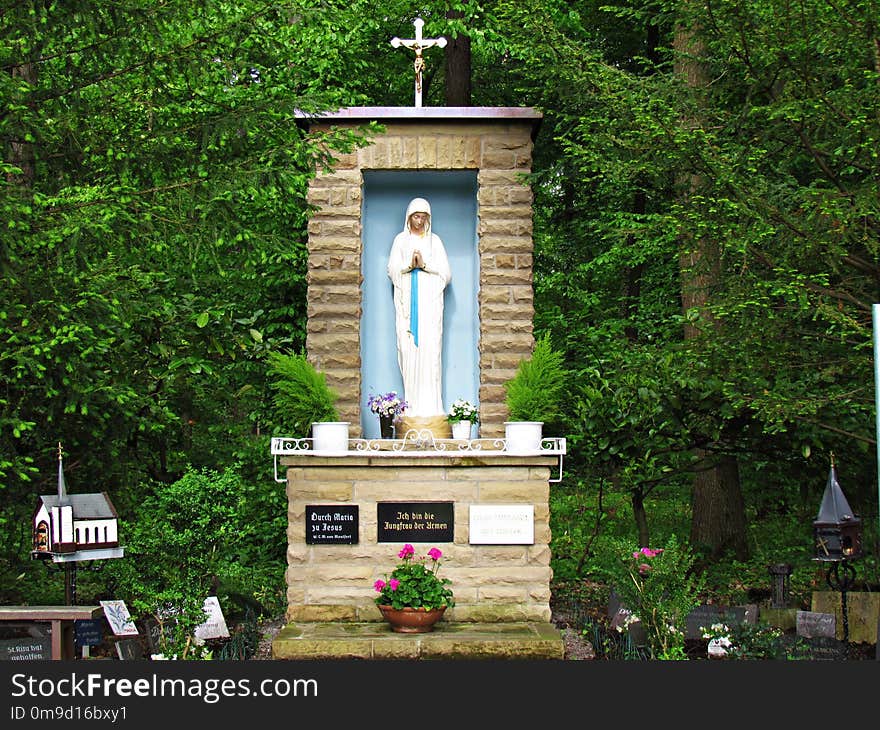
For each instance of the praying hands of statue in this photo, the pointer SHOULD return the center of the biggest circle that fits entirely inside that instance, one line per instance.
(417, 261)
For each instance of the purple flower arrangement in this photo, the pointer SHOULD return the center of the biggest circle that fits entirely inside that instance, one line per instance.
(387, 404)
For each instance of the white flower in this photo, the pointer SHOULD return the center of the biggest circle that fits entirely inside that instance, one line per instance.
(463, 410)
(715, 629)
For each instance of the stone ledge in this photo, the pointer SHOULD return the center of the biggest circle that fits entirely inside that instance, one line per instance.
(376, 640)
(395, 460)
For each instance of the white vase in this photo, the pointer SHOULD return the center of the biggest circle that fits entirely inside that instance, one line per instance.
(523, 437)
(461, 429)
(330, 438)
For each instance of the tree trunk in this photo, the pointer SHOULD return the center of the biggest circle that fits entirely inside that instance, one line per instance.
(632, 283)
(640, 516)
(21, 152)
(718, 521)
(717, 510)
(458, 67)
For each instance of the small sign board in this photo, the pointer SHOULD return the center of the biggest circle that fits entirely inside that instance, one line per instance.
(26, 649)
(827, 648)
(623, 620)
(415, 521)
(88, 632)
(214, 626)
(337, 524)
(502, 524)
(119, 618)
(153, 635)
(129, 649)
(812, 625)
(702, 617)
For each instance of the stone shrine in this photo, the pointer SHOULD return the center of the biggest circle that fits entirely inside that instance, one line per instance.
(487, 510)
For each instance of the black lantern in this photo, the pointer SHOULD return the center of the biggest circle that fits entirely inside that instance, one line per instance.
(837, 532)
(837, 538)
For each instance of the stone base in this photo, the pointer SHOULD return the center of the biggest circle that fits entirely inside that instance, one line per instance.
(439, 427)
(862, 611)
(456, 640)
(780, 618)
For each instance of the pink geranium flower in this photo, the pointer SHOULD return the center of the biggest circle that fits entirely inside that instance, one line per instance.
(414, 583)
(647, 552)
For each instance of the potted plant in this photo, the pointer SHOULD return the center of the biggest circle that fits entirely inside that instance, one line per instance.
(461, 415)
(388, 406)
(533, 397)
(413, 598)
(304, 402)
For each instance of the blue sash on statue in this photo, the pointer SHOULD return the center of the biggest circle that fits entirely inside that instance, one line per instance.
(414, 306)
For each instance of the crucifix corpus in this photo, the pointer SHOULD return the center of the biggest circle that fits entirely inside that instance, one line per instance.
(418, 44)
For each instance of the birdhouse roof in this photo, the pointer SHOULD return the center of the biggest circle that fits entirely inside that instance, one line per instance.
(96, 506)
(834, 508)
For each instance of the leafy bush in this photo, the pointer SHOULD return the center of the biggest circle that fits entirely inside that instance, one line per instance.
(179, 543)
(535, 392)
(756, 641)
(302, 395)
(660, 588)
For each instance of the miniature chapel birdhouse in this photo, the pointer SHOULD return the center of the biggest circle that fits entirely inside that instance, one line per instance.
(75, 526)
(837, 532)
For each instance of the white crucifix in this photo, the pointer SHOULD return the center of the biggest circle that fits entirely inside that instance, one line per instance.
(418, 44)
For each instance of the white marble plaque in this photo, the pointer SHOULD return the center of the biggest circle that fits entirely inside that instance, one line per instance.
(119, 618)
(813, 625)
(502, 524)
(214, 626)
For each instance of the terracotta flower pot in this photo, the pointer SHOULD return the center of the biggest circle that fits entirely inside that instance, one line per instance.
(412, 620)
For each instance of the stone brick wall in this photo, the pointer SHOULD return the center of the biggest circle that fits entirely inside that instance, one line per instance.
(500, 149)
(490, 582)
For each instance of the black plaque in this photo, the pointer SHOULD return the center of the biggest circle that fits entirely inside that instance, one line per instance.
(153, 634)
(88, 632)
(335, 524)
(702, 617)
(129, 649)
(26, 649)
(827, 648)
(415, 521)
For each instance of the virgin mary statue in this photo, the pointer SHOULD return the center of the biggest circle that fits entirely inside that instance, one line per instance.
(419, 270)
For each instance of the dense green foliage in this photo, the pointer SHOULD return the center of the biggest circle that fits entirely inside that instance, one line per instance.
(768, 166)
(706, 253)
(154, 248)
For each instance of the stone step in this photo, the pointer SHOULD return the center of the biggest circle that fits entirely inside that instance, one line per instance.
(448, 640)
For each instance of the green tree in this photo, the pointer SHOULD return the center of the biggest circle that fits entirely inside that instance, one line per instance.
(180, 543)
(154, 189)
(769, 149)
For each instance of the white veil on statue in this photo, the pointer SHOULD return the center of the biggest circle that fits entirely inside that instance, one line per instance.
(418, 307)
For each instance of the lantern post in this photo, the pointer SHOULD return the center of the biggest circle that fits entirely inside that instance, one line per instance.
(875, 309)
